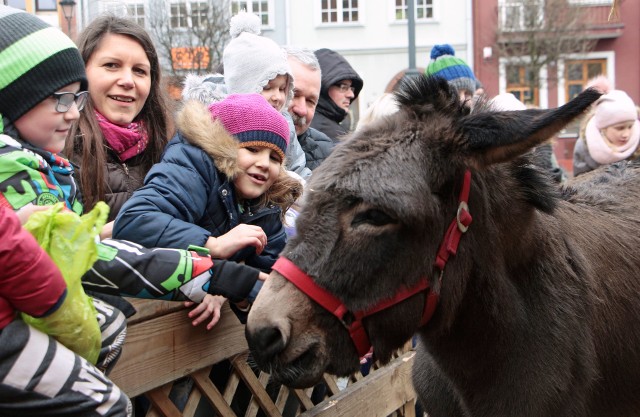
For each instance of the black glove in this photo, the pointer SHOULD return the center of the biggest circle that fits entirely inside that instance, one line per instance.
(232, 280)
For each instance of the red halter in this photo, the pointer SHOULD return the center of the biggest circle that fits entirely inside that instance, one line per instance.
(332, 304)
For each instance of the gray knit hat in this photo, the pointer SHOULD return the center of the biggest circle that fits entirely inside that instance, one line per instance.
(250, 61)
(36, 60)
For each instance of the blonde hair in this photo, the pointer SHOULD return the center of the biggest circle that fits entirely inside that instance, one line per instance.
(384, 105)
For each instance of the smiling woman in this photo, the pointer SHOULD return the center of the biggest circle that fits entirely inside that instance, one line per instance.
(125, 126)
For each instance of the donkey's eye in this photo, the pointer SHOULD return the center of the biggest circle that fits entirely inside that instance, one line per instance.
(373, 217)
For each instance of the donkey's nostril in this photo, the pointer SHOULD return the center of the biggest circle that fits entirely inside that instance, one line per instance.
(266, 342)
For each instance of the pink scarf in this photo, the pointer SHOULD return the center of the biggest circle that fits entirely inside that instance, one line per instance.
(127, 141)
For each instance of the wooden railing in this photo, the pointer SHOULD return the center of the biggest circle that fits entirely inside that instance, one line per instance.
(162, 347)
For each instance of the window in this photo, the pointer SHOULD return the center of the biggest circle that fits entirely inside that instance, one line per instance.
(179, 15)
(518, 83)
(339, 11)
(18, 4)
(577, 73)
(136, 13)
(46, 5)
(199, 13)
(519, 15)
(423, 9)
(263, 9)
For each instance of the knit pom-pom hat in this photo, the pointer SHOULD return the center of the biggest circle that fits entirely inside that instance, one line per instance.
(444, 64)
(613, 108)
(36, 60)
(252, 120)
(506, 102)
(250, 61)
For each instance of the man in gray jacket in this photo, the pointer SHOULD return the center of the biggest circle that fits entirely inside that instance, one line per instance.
(307, 75)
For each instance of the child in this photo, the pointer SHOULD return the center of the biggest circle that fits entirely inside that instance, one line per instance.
(43, 82)
(253, 64)
(445, 64)
(42, 85)
(220, 184)
(611, 132)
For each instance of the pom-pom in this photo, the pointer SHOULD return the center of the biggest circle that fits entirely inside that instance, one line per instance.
(244, 22)
(600, 83)
(439, 50)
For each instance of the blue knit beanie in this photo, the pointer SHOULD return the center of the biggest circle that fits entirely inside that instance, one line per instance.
(444, 64)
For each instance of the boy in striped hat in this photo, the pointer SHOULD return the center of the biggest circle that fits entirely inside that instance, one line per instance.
(446, 65)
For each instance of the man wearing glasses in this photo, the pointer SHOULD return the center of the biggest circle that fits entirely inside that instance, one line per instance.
(341, 85)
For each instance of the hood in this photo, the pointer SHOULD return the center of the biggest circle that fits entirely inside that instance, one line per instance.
(199, 129)
(336, 68)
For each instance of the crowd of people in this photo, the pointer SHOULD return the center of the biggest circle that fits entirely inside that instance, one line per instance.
(208, 191)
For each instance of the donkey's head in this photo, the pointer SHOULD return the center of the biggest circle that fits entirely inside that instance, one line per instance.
(375, 215)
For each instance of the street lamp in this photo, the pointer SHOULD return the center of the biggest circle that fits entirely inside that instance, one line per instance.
(412, 72)
(68, 7)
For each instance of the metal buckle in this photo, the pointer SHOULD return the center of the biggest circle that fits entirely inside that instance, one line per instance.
(462, 206)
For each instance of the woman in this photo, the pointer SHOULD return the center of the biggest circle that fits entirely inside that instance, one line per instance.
(126, 124)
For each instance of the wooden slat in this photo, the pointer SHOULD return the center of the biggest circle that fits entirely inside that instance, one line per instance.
(212, 394)
(377, 395)
(162, 403)
(167, 347)
(254, 385)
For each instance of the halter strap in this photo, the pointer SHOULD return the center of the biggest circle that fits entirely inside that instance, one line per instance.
(353, 320)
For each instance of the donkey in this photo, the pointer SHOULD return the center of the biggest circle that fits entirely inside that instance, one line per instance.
(435, 220)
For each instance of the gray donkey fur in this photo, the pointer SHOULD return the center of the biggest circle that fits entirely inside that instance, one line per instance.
(539, 309)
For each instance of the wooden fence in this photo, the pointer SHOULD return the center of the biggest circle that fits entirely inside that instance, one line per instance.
(163, 347)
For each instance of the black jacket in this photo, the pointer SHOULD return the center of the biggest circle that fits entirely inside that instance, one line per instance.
(316, 145)
(328, 115)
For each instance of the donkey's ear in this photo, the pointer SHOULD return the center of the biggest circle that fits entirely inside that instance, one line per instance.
(491, 137)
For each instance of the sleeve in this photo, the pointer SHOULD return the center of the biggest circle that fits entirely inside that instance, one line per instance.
(164, 212)
(128, 269)
(581, 163)
(30, 281)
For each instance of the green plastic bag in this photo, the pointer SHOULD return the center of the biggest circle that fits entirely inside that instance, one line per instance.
(69, 239)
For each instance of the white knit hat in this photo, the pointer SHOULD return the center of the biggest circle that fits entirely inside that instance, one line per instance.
(250, 61)
(506, 102)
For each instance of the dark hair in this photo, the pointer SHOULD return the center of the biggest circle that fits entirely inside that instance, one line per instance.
(88, 145)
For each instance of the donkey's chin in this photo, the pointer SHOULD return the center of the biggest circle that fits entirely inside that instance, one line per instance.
(304, 371)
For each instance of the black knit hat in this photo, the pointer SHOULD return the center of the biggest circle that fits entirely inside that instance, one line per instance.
(36, 60)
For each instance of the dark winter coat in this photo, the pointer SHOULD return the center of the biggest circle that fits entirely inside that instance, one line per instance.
(316, 145)
(187, 197)
(335, 68)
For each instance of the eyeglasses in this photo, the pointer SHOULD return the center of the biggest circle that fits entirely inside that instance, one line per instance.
(66, 99)
(345, 87)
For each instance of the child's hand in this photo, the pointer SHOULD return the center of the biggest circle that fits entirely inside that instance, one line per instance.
(25, 212)
(239, 237)
(262, 276)
(210, 306)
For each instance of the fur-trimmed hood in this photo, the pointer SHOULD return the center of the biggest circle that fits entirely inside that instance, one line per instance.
(199, 129)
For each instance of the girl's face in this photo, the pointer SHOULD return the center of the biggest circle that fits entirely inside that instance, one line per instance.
(46, 128)
(259, 168)
(618, 134)
(119, 75)
(276, 92)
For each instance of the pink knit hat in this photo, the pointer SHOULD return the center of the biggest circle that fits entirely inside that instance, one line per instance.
(252, 120)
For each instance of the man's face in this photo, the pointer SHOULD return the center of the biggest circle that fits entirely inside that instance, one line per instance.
(305, 95)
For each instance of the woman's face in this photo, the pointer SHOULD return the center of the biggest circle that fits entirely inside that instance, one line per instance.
(618, 134)
(46, 128)
(119, 75)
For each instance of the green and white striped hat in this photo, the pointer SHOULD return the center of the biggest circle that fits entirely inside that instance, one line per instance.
(36, 60)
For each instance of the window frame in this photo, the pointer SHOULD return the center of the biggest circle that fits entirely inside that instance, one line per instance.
(236, 5)
(339, 10)
(395, 9)
(504, 6)
(136, 16)
(53, 8)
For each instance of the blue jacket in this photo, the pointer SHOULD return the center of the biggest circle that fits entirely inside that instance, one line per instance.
(188, 196)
